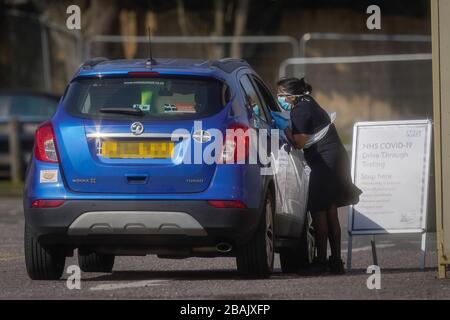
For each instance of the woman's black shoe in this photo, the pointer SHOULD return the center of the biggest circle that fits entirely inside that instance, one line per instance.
(336, 265)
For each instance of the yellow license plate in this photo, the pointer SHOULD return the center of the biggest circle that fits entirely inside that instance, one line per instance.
(137, 149)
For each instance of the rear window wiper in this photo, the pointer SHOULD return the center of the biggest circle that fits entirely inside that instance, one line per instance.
(130, 111)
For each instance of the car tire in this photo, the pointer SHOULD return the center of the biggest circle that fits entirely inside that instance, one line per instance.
(256, 258)
(42, 263)
(94, 262)
(296, 258)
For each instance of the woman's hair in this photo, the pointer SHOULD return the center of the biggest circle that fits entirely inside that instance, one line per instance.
(295, 86)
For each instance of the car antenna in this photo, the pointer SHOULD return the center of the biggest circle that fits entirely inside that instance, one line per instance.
(150, 60)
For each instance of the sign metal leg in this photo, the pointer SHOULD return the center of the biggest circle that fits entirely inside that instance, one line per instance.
(423, 249)
(374, 251)
(349, 251)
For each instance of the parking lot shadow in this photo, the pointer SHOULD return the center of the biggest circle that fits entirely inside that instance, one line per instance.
(397, 270)
(191, 275)
(169, 275)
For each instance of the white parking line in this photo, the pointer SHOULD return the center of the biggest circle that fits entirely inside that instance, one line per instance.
(135, 284)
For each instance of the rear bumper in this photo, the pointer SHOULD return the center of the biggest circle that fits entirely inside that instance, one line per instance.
(141, 223)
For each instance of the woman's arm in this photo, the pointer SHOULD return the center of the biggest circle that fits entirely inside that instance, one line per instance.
(297, 140)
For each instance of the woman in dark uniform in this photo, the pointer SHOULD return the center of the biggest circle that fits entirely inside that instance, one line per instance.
(330, 185)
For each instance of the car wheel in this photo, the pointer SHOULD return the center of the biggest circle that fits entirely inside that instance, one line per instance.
(255, 259)
(301, 256)
(94, 262)
(42, 263)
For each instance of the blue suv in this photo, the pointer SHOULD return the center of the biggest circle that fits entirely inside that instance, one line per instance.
(116, 171)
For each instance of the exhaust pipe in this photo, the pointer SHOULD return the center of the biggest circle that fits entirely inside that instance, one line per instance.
(221, 247)
(224, 247)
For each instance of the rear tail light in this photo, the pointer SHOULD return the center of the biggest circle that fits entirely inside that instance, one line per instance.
(47, 203)
(236, 145)
(45, 143)
(234, 204)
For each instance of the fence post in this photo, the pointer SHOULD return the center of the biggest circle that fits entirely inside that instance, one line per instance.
(15, 157)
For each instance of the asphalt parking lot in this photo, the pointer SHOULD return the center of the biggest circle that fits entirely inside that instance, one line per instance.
(153, 278)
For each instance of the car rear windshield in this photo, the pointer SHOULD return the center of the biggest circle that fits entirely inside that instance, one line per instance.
(154, 98)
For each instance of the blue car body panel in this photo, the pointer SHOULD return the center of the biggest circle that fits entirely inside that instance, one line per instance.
(78, 160)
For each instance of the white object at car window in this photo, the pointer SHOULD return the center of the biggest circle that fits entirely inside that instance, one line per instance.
(314, 138)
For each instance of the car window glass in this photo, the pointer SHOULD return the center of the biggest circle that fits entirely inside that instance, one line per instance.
(32, 106)
(157, 98)
(226, 94)
(267, 97)
(252, 98)
(5, 101)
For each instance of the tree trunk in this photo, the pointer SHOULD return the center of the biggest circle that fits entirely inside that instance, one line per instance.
(219, 26)
(100, 18)
(182, 21)
(240, 22)
(128, 28)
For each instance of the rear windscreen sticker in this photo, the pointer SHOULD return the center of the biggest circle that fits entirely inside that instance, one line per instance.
(153, 83)
(185, 107)
(169, 107)
(146, 97)
(143, 107)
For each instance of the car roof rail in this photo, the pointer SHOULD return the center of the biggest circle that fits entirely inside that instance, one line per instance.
(93, 62)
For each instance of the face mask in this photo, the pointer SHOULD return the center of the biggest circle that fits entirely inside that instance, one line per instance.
(284, 104)
(256, 110)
